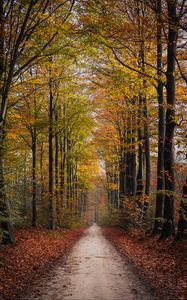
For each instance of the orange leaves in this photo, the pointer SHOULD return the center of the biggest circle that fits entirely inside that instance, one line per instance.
(162, 265)
(30, 257)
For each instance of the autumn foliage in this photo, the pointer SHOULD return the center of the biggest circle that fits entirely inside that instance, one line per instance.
(32, 257)
(92, 93)
(162, 266)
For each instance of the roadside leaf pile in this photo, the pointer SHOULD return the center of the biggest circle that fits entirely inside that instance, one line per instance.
(163, 266)
(34, 252)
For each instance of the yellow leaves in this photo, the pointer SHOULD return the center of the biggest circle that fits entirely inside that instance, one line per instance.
(12, 135)
(144, 198)
(112, 186)
(13, 117)
(42, 15)
(88, 172)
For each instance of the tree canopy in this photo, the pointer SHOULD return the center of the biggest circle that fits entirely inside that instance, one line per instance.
(92, 94)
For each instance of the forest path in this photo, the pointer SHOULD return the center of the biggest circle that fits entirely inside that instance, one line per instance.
(93, 270)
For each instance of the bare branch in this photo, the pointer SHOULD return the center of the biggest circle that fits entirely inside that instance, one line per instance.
(35, 56)
(131, 68)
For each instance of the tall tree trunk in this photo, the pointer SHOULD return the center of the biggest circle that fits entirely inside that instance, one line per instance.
(122, 170)
(133, 147)
(147, 158)
(133, 167)
(34, 213)
(115, 199)
(116, 194)
(128, 168)
(68, 167)
(108, 187)
(75, 189)
(77, 194)
(71, 187)
(147, 149)
(51, 223)
(25, 185)
(62, 168)
(6, 225)
(168, 226)
(42, 179)
(57, 169)
(63, 157)
(131, 155)
(143, 99)
(140, 185)
(122, 180)
(133, 152)
(161, 128)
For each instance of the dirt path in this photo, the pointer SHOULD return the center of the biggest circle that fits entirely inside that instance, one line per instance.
(93, 270)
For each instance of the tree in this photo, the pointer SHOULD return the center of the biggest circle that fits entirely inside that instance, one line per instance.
(20, 23)
(168, 226)
(161, 126)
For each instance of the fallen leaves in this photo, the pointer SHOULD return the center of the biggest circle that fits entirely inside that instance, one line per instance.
(34, 251)
(164, 266)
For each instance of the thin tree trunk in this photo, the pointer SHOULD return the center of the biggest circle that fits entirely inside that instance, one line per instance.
(68, 176)
(128, 168)
(161, 129)
(147, 149)
(41, 170)
(144, 112)
(57, 169)
(133, 166)
(122, 171)
(43, 205)
(133, 156)
(34, 213)
(168, 226)
(6, 225)
(122, 180)
(25, 185)
(51, 190)
(62, 169)
(147, 158)
(116, 194)
(63, 158)
(133, 147)
(108, 187)
(71, 187)
(140, 185)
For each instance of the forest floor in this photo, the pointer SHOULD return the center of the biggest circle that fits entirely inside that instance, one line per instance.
(93, 270)
(35, 253)
(53, 265)
(162, 265)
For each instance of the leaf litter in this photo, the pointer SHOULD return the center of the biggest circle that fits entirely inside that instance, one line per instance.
(35, 251)
(162, 265)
